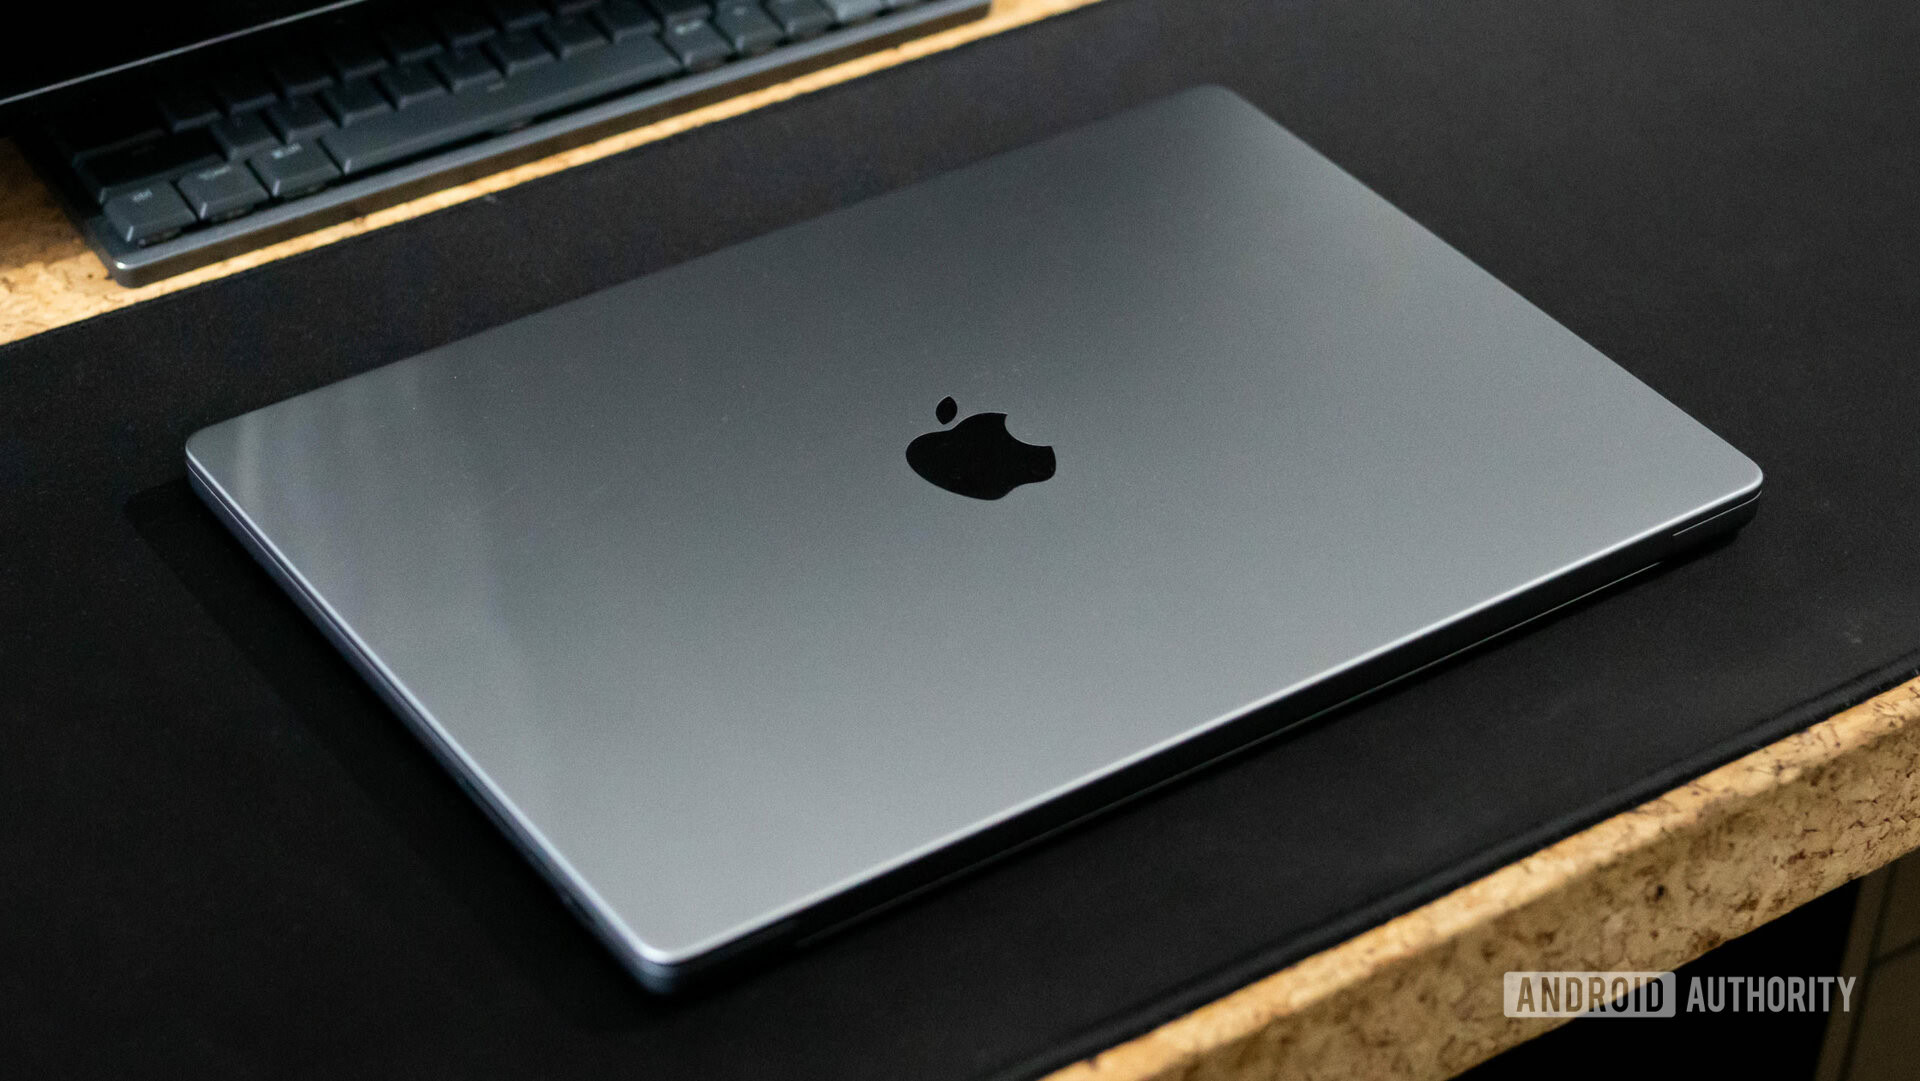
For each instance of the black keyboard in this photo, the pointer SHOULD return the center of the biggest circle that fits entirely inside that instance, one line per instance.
(375, 113)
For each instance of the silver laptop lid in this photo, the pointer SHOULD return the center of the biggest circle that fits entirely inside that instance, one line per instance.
(655, 569)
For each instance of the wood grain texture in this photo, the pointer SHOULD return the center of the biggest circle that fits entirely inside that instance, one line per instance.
(1419, 997)
(48, 277)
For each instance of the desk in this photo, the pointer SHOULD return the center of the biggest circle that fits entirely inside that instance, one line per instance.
(1416, 996)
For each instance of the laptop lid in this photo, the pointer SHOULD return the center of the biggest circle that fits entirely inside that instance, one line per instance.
(1208, 436)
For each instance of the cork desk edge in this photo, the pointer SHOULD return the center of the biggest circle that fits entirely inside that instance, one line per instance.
(1416, 997)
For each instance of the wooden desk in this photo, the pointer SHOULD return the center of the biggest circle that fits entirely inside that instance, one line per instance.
(1419, 996)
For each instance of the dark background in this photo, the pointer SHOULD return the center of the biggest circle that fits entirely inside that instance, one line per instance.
(223, 858)
(88, 41)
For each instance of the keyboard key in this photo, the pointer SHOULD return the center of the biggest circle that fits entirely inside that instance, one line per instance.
(464, 68)
(516, 53)
(243, 91)
(294, 169)
(570, 36)
(300, 73)
(298, 119)
(409, 83)
(241, 136)
(222, 192)
(697, 45)
(353, 58)
(517, 14)
(801, 19)
(570, 7)
(184, 109)
(353, 102)
(408, 42)
(462, 29)
(534, 93)
(675, 12)
(155, 160)
(147, 214)
(852, 11)
(745, 26)
(622, 19)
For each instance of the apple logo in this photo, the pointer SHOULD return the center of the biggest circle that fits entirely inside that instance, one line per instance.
(977, 457)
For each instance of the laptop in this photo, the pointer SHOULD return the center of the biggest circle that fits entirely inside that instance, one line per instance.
(753, 594)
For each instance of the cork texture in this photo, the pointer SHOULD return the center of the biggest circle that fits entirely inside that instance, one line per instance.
(49, 278)
(1419, 997)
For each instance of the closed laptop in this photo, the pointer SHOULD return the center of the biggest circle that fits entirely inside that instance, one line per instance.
(756, 592)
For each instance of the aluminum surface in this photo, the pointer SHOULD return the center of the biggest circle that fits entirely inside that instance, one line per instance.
(655, 566)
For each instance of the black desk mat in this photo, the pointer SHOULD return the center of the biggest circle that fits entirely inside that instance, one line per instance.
(222, 858)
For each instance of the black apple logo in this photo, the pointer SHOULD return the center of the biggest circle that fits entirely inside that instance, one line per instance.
(977, 457)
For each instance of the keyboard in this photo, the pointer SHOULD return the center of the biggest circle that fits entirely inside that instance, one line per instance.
(367, 114)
